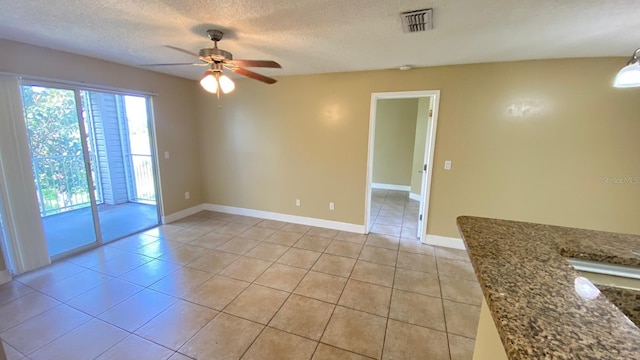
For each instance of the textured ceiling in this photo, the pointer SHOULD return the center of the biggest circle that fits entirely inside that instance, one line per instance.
(317, 36)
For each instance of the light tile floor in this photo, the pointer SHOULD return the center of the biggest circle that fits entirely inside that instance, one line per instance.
(219, 286)
(394, 213)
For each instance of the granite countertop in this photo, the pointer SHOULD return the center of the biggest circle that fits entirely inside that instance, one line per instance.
(532, 290)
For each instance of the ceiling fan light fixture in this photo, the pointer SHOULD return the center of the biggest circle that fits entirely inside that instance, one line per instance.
(226, 84)
(209, 82)
(214, 80)
(629, 76)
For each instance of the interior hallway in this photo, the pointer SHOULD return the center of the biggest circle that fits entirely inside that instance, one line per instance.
(394, 213)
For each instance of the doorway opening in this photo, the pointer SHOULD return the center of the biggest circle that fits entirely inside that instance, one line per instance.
(402, 134)
(93, 165)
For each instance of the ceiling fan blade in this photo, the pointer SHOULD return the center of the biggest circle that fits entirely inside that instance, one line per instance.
(253, 63)
(173, 64)
(182, 50)
(253, 75)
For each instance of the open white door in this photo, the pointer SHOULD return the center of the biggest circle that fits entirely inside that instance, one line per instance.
(425, 188)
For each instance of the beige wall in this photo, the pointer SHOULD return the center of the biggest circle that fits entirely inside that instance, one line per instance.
(174, 109)
(528, 140)
(393, 146)
(422, 122)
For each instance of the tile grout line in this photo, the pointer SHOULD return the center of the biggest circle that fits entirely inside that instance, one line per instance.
(39, 347)
(186, 265)
(91, 316)
(393, 290)
(280, 307)
(177, 298)
(337, 302)
(307, 270)
(234, 299)
(191, 302)
(444, 313)
(395, 270)
(64, 302)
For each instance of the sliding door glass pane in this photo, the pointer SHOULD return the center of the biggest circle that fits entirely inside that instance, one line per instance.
(122, 166)
(60, 175)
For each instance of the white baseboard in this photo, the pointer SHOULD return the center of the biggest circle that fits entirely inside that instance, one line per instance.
(295, 219)
(444, 241)
(5, 276)
(390, 187)
(416, 197)
(182, 214)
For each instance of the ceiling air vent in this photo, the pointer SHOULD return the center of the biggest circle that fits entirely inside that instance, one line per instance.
(417, 20)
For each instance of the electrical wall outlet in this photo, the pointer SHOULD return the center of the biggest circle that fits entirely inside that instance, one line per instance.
(447, 165)
(187, 195)
(166, 155)
(332, 206)
(297, 202)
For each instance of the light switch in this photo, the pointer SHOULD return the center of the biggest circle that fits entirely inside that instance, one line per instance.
(447, 165)
(166, 155)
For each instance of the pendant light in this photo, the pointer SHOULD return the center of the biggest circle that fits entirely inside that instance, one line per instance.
(629, 76)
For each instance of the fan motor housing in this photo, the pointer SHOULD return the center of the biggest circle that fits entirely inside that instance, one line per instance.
(214, 54)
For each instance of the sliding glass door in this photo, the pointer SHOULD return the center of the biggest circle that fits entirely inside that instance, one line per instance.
(59, 152)
(92, 163)
(123, 163)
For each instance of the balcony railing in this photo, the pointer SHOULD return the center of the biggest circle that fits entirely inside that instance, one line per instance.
(143, 184)
(61, 183)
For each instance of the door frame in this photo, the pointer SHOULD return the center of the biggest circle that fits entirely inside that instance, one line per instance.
(429, 149)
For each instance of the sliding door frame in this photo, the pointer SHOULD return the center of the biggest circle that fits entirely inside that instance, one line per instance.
(151, 128)
(78, 89)
(81, 121)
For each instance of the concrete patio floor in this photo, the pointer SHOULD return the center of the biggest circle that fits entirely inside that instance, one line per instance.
(73, 229)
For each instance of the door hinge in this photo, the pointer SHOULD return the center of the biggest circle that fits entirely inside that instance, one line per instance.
(430, 113)
(425, 167)
(420, 217)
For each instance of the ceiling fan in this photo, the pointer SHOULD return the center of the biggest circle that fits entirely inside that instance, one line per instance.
(217, 60)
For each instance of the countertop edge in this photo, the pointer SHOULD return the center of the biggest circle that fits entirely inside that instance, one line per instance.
(537, 252)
